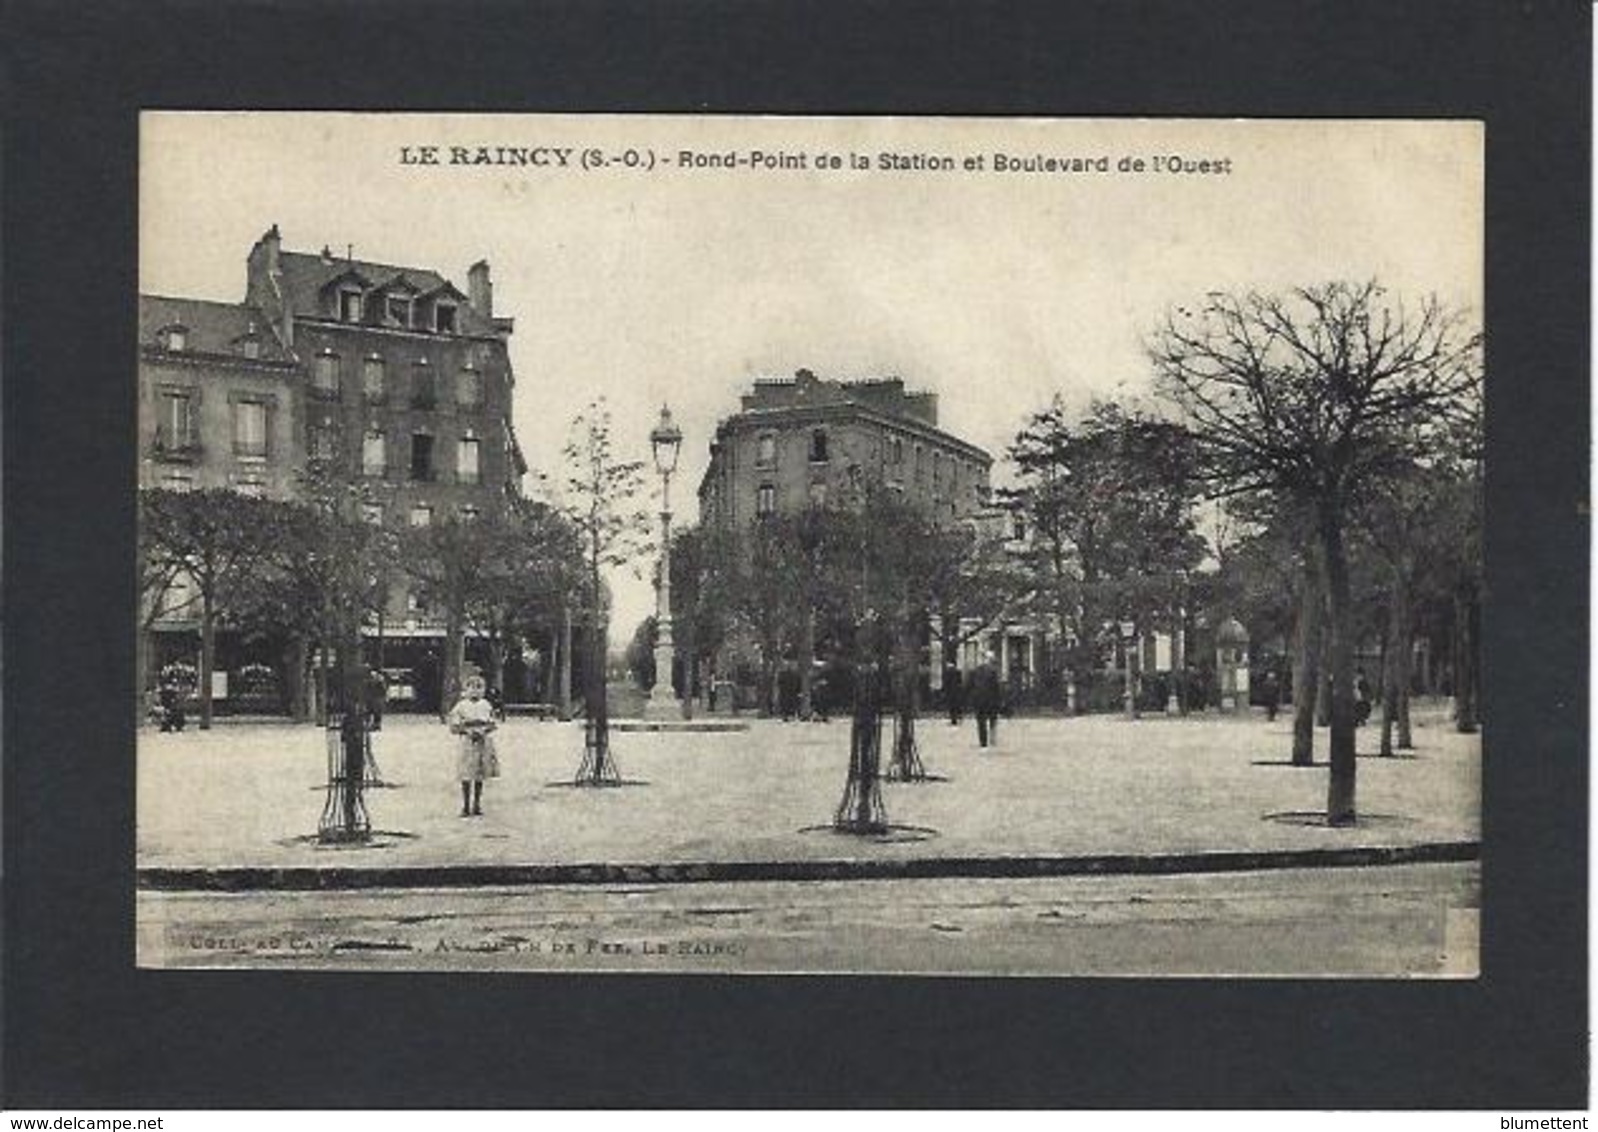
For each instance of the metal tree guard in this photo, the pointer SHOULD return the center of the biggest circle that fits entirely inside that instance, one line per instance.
(598, 768)
(860, 810)
(344, 818)
(905, 765)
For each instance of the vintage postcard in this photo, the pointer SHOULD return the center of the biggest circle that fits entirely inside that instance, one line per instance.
(606, 543)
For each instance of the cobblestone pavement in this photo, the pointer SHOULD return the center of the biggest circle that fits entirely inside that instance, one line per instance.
(251, 794)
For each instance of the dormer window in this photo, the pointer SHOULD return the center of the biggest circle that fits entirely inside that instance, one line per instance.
(397, 308)
(251, 347)
(349, 305)
(174, 338)
(444, 318)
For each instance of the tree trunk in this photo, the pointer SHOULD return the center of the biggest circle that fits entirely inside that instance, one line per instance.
(1389, 692)
(144, 649)
(321, 683)
(207, 657)
(807, 662)
(1465, 679)
(496, 665)
(1323, 686)
(1340, 808)
(1307, 667)
(563, 691)
(294, 664)
(454, 657)
(1401, 660)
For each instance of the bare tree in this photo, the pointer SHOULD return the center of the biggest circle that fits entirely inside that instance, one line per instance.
(1316, 393)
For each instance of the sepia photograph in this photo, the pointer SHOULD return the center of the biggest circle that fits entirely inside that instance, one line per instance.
(761, 545)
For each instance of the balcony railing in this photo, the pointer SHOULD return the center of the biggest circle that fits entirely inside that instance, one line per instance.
(179, 450)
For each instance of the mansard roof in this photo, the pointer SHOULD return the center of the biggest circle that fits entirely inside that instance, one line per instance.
(306, 277)
(211, 327)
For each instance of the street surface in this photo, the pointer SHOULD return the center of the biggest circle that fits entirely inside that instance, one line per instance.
(248, 796)
(1408, 920)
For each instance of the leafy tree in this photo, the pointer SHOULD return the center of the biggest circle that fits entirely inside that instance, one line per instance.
(703, 595)
(221, 542)
(530, 561)
(600, 503)
(1109, 500)
(1316, 394)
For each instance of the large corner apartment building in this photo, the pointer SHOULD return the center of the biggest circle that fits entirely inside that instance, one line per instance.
(803, 440)
(393, 373)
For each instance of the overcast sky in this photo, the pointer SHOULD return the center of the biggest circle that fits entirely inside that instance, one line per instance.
(993, 289)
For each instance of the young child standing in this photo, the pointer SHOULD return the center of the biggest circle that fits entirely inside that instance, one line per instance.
(472, 719)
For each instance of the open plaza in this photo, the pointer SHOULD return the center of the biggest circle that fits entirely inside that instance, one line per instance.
(247, 796)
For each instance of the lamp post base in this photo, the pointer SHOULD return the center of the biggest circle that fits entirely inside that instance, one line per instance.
(662, 707)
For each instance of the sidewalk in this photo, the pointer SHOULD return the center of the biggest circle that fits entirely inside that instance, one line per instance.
(238, 807)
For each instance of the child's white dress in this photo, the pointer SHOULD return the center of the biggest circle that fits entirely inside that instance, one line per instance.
(476, 758)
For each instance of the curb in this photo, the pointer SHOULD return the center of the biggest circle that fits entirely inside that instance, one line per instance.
(305, 879)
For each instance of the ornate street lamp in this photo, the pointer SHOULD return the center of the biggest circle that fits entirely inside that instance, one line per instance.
(666, 439)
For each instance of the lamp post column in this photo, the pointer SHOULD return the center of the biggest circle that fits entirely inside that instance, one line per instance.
(666, 440)
(662, 697)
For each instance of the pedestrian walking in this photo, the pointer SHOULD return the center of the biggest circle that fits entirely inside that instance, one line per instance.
(1271, 689)
(472, 719)
(954, 694)
(986, 699)
(1362, 698)
(376, 698)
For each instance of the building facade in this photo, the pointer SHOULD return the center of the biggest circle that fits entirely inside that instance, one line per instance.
(219, 399)
(800, 441)
(391, 376)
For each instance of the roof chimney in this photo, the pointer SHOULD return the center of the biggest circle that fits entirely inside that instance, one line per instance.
(271, 243)
(327, 254)
(479, 290)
